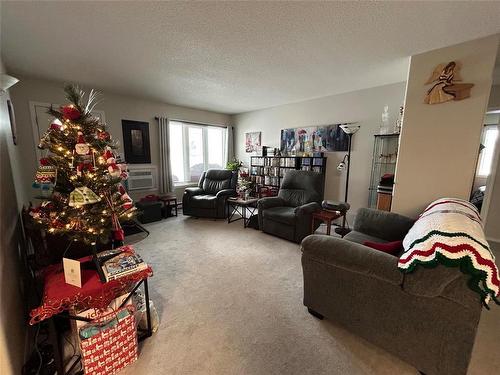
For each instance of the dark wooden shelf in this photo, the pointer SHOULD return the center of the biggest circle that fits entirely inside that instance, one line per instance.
(318, 168)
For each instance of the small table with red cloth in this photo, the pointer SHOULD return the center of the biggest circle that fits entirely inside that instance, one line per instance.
(59, 297)
(169, 204)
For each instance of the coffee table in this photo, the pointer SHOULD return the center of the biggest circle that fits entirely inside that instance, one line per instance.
(240, 206)
(325, 216)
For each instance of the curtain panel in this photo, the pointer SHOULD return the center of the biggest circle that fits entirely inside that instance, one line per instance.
(165, 179)
(229, 144)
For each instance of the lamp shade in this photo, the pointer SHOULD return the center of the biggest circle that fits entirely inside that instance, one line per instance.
(349, 128)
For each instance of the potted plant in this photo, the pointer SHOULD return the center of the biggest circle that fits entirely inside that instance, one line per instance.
(234, 165)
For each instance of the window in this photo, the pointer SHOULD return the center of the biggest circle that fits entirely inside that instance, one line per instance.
(195, 148)
(489, 141)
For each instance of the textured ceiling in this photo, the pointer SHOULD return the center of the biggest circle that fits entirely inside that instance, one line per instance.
(232, 57)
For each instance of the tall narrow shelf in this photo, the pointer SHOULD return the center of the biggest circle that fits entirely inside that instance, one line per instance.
(385, 152)
(268, 171)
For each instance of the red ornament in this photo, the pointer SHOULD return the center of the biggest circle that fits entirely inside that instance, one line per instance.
(57, 224)
(70, 112)
(44, 161)
(55, 124)
(103, 136)
(110, 158)
(118, 235)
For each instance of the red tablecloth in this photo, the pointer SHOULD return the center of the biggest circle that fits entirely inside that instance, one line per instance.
(59, 296)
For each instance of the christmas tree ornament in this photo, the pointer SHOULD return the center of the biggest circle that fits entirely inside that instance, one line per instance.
(35, 213)
(45, 175)
(81, 147)
(56, 124)
(128, 203)
(114, 170)
(103, 136)
(80, 168)
(118, 234)
(82, 196)
(124, 172)
(44, 141)
(109, 156)
(70, 112)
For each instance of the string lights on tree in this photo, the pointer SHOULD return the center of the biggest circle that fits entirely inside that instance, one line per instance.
(80, 178)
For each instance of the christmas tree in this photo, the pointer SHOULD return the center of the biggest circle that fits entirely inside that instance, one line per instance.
(80, 177)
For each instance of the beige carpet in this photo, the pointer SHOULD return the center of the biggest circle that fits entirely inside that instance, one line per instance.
(230, 302)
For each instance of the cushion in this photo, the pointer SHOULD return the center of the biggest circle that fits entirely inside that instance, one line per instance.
(393, 247)
(203, 201)
(336, 206)
(214, 186)
(358, 237)
(284, 215)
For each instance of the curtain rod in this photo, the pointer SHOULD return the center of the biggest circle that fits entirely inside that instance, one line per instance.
(194, 122)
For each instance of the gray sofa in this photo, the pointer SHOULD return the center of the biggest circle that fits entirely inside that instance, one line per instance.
(209, 198)
(427, 318)
(289, 214)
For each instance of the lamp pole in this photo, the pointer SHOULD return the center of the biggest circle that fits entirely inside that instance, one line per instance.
(349, 129)
(344, 229)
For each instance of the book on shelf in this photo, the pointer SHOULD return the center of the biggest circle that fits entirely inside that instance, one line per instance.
(318, 162)
(125, 262)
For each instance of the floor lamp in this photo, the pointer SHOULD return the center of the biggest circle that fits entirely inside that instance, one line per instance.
(349, 129)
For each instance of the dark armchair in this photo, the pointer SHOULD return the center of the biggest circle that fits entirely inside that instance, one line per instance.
(208, 199)
(289, 214)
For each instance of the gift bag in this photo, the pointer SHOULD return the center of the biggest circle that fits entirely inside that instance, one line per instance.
(109, 343)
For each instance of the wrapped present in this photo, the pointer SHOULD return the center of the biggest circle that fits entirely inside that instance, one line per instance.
(109, 343)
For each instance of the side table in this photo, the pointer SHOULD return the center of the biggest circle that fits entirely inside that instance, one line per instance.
(59, 297)
(327, 217)
(240, 206)
(169, 203)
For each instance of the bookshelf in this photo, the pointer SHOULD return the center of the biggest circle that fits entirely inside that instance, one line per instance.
(268, 171)
(385, 154)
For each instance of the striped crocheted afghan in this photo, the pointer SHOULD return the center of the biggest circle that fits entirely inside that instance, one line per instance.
(450, 232)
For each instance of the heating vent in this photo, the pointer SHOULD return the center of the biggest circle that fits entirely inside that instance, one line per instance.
(141, 178)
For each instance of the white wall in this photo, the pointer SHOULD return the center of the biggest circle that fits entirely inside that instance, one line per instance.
(12, 315)
(440, 143)
(363, 106)
(116, 108)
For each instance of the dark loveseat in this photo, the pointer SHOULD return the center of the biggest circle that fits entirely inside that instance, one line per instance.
(289, 214)
(428, 318)
(208, 199)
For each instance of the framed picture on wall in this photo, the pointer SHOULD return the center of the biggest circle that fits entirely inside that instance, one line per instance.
(136, 142)
(314, 139)
(252, 141)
